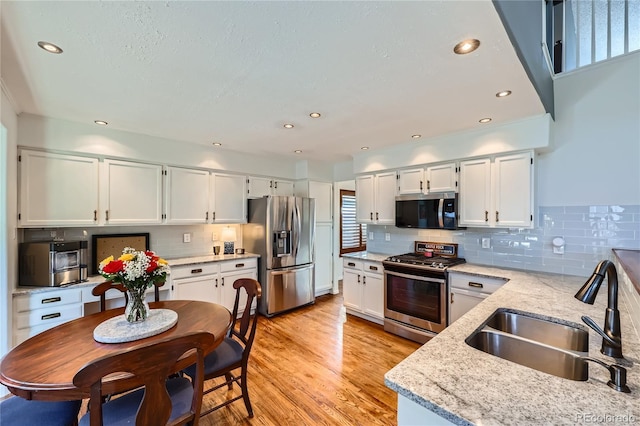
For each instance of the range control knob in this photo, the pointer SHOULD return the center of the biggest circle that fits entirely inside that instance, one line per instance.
(440, 265)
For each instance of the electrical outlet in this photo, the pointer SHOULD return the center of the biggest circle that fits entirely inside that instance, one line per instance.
(186, 238)
(387, 236)
(486, 243)
(214, 237)
(371, 235)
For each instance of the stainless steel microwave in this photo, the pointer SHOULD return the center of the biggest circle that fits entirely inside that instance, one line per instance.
(52, 264)
(432, 211)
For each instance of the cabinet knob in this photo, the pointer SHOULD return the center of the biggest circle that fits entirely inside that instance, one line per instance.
(216, 283)
(371, 215)
(420, 185)
(376, 215)
(206, 217)
(95, 215)
(428, 185)
(222, 281)
(358, 277)
(497, 218)
(364, 280)
(106, 215)
(486, 216)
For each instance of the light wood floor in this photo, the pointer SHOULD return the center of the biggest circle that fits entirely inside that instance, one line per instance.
(307, 367)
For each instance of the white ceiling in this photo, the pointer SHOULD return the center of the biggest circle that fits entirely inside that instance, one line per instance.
(235, 72)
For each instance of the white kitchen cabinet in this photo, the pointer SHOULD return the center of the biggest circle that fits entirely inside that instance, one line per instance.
(131, 193)
(57, 190)
(442, 178)
(228, 198)
(322, 192)
(186, 195)
(376, 198)
(467, 290)
(258, 187)
(323, 258)
(230, 271)
(411, 181)
(497, 193)
(363, 289)
(36, 312)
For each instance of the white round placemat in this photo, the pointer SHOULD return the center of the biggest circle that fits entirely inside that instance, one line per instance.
(119, 330)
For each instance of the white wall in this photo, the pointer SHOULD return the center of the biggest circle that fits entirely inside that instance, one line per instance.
(595, 156)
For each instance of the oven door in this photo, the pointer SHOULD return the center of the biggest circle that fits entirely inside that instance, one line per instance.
(415, 300)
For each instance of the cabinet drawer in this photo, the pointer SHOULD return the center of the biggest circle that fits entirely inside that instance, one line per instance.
(196, 270)
(372, 267)
(51, 315)
(352, 263)
(475, 282)
(48, 299)
(238, 265)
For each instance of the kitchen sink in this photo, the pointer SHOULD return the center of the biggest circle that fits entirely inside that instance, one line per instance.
(551, 347)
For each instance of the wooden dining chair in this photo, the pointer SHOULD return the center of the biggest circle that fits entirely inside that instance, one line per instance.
(101, 290)
(16, 411)
(160, 401)
(233, 352)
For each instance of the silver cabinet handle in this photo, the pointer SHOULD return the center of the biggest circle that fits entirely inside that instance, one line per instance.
(51, 316)
(51, 300)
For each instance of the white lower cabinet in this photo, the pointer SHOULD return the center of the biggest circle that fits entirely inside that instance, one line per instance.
(363, 289)
(36, 312)
(467, 290)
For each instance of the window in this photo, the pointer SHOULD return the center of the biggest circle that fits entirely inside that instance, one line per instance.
(352, 234)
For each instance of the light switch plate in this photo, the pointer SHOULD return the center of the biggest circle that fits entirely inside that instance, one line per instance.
(486, 243)
(214, 237)
(186, 238)
(371, 235)
(387, 236)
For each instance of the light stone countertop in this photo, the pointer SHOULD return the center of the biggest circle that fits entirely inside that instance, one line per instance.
(467, 386)
(180, 261)
(367, 255)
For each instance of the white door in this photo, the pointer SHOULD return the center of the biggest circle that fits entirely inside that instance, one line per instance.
(513, 189)
(373, 295)
(283, 187)
(187, 195)
(462, 301)
(442, 178)
(228, 293)
(365, 199)
(322, 192)
(352, 289)
(133, 192)
(475, 192)
(203, 288)
(324, 258)
(57, 190)
(411, 181)
(258, 187)
(385, 198)
(229, 198)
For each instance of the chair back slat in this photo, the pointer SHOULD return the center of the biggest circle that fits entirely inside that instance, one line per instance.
(102, 288)
(247, 322)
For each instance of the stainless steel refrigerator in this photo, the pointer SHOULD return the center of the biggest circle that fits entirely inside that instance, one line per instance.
(281, 230)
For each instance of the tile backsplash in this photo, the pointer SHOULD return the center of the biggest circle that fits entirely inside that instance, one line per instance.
(590, 232)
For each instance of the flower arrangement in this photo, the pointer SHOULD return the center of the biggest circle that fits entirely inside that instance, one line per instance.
(137, 271)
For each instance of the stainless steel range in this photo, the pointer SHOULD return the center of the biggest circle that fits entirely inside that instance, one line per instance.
(415, 290)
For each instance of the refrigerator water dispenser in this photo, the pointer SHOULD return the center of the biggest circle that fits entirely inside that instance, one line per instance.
(282, 243)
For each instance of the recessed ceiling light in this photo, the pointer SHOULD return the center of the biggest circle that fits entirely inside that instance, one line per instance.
(484, 120)
(503, 93)
(314, 115)
(217, 144)
(466, 46)
(298, 151)
(364, 148)
(288, 126)
(416, 136)
(101, 122)
(49, 47)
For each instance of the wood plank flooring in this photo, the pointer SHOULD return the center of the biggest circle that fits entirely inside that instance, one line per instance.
(308, 367)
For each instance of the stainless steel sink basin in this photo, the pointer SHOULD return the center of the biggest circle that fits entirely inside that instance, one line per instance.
(551, 333)
(521, 337)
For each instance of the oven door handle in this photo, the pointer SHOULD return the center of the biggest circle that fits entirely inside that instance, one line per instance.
(415, 277)
(441, 213)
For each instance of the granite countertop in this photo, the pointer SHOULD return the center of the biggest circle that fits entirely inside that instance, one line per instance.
(467, 386)
(179, 261)
(367, 255)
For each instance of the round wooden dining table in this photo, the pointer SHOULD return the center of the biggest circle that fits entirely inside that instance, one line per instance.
(42, 367)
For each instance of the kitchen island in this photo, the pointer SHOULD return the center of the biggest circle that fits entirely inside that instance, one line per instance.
(447, 381)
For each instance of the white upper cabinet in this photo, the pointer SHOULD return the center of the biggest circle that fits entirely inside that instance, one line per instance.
(131, 193)
(258, 187)
(57, 190)
(438, 178)
(228, 198)
(322, 192)
(498, 194)
(186, 195)
(376, 198)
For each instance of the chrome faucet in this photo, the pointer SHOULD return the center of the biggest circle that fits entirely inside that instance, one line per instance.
(611, 335)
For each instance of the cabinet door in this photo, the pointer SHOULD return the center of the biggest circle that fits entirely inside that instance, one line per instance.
(229, 198)
(204, 288)
(411, 181)
(324, 258)
(352, 289)
(373, 295)
(385, 198)
(475, 192)
(364, 198)
(228, 293)
(133, 192)
(57, 190)
(442, 178)
(322, 192)
(187, 195)
(283, 187)
(513, 190)
(462, 301)
(258, 187)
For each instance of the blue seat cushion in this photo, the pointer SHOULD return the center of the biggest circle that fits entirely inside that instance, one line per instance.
(19, 411)
(123, 410)
(226, 354)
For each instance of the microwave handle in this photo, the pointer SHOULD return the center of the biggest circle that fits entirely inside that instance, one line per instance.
(441, 212)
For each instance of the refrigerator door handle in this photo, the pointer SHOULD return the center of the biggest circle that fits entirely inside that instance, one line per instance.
(283, 271)
(297, 225)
